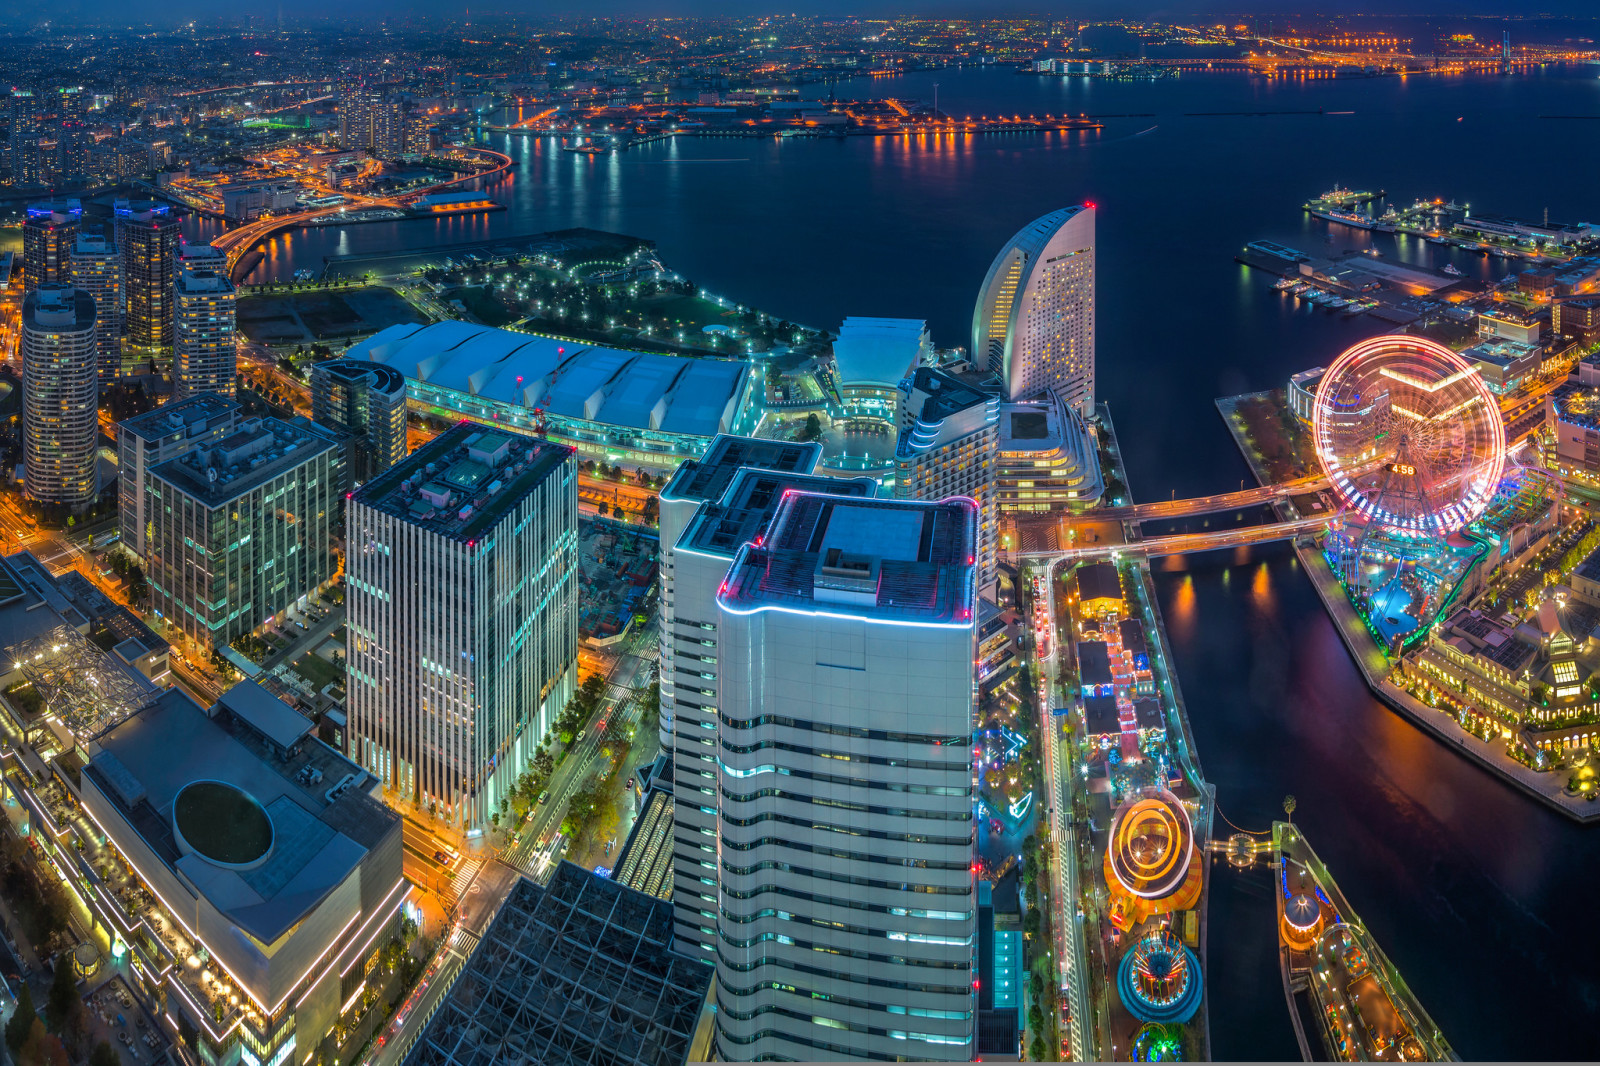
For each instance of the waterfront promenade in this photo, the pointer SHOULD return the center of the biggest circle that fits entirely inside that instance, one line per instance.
(1493, 755)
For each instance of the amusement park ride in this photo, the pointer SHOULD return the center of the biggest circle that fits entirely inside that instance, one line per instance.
(1413, 444)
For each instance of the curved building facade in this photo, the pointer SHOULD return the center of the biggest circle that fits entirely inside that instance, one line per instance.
(61, 397)
(366, 402)
(1034, 322)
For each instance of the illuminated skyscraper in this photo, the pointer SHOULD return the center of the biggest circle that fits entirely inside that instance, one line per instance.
(462, 598)
(47, 235)
(203, 354)
(847, 901)
(148, 235)
(709, 510)
(949, 447)
(1034, 322)
(148, 440)
(96, 268)
(241, 530)
(372, 121)
(60, 419)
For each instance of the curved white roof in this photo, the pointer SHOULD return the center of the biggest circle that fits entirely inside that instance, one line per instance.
(879, 351)
(639, 390)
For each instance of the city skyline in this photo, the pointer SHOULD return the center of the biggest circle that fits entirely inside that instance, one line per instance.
(640, 538)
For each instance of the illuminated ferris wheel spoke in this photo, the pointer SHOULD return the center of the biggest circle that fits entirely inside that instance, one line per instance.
(1422, 427)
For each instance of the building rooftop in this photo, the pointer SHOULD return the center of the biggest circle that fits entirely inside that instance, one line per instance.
(174, 420)
(1094, 663)
(94, 244)
(878, 351)
(1577, 404)
(194, 279)
(1038, 426)
(464, 480)
(1097, 581)
(1501, 353)
(707, 477)
(638, 390)
(577, 973)
(54, 210)
(384, 379)
(891, 560)
(1100, 715)
(322, 819)
(57, 307)
(258, 451)
(746, 508)
(946, 394)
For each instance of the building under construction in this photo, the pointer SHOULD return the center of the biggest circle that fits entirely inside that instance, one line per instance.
(580, 971)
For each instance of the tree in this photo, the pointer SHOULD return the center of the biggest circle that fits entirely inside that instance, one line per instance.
(1289, 805)
(592, 688)
(104, 1055)
(64, 1011)
(17, 1028)
(813, 427)
(41, 1048)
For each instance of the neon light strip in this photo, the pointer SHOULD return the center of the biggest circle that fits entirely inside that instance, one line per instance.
(1441, 416)
(362, 987)
(379, 913)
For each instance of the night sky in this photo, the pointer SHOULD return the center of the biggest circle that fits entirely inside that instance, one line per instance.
(68, 11)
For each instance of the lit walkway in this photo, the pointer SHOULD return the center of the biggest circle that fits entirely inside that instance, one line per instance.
(1183, 543)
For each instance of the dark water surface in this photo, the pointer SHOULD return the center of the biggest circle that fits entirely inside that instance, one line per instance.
(1482, 898)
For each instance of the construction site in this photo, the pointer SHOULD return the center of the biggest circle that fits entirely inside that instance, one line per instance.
(618, 566)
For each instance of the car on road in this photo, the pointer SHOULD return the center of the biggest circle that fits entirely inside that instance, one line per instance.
(544, 795)
(441, 858)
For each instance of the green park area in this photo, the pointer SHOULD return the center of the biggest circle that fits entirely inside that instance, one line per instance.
(1280, 444)
(288, 316)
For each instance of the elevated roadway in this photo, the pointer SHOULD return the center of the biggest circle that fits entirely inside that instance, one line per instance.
(236, 242)
(1199, 505)
(1184, 543)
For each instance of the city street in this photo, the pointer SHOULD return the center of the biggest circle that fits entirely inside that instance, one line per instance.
(535, 849)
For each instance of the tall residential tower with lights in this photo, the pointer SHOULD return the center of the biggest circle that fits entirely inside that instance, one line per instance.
(60, 426)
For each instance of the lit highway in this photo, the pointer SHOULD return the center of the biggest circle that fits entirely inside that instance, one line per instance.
(236, 242)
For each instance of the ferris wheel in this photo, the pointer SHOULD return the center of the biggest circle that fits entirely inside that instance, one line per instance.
(1409, 435)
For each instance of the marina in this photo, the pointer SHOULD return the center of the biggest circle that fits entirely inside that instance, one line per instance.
(1450, 223)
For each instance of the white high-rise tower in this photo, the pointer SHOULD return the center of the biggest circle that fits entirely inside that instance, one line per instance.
(847, 903)
(1034, 323)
